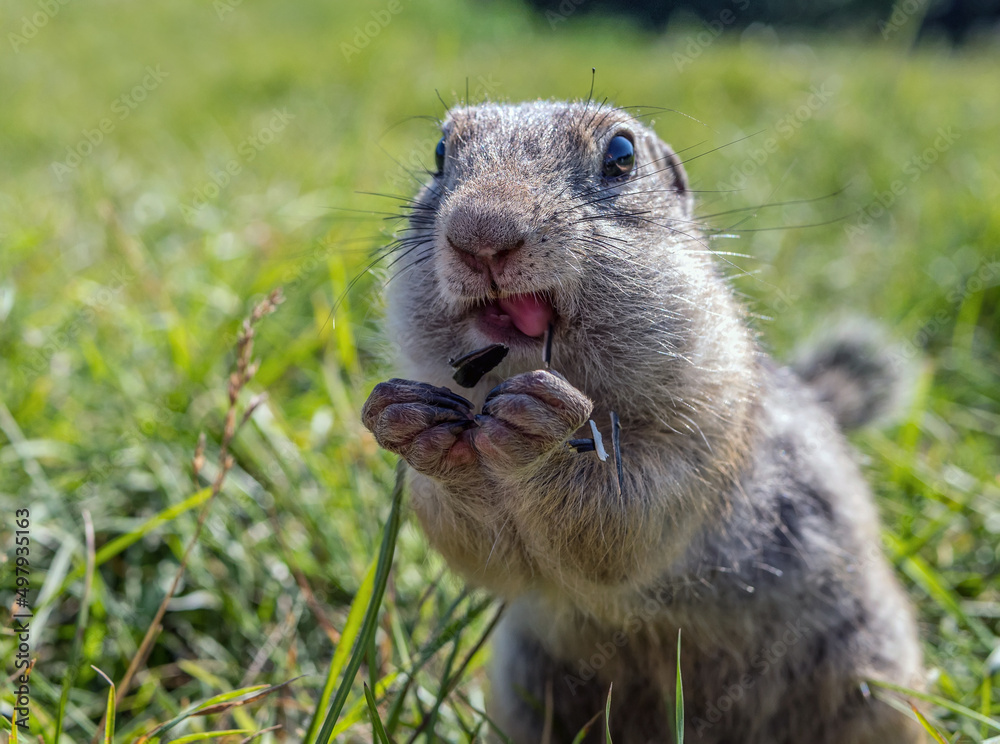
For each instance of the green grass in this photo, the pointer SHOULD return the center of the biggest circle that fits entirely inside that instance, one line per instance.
(120, 303)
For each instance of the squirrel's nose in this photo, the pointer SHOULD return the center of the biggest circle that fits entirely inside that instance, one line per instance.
(482, 256)
(484, 228)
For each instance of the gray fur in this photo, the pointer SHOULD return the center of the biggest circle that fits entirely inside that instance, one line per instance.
(856, 373)
(744, 520)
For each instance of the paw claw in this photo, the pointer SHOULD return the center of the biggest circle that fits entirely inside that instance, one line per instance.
(417, 421)
(528, 415)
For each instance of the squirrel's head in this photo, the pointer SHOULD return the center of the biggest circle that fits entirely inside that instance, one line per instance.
(569, 214)
(526, 196)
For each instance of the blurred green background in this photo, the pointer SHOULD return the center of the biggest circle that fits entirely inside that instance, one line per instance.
(164, 165)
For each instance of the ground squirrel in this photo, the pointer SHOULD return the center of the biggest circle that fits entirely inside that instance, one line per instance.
(740, 517)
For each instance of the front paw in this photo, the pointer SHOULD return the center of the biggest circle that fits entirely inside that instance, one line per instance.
(528, 416)
(422, 423)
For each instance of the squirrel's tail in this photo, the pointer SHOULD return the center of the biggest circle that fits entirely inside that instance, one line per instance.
(856, 373)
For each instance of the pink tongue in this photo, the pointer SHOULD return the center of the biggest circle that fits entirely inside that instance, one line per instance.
(530, 313)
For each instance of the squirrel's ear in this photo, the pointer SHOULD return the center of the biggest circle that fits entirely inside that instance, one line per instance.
(665, 160)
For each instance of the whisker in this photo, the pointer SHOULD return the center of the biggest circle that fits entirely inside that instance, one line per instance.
(813, 200)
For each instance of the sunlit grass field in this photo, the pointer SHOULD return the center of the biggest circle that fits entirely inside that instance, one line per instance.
(165, 165)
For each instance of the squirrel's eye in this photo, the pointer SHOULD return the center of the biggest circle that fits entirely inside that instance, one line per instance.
(439, 157)
(619, 157)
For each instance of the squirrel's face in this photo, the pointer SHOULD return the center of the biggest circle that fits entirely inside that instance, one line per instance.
(539, 213)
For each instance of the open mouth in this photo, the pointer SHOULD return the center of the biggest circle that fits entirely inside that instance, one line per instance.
(520, 314)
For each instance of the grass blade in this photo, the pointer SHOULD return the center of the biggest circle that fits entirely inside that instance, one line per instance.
(341, 653)
(116, 546)
(582, 733)
(448, 687)
(371, 614)
(376, 720)
(73, 668)
(939, 701)
(924, 575)
(451, 632)
(927, 725)
(109, 713)
(258, 734)
(355, 712)
(492, 724)
(236, 699)
(607, 718)
(218, 704)
(209, 735)
(986, 696)
(679, 697)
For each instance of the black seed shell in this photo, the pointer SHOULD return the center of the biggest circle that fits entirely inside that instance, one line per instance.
(469, 369)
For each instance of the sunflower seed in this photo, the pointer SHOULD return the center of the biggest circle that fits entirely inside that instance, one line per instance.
(471, 368)
(547, 347)
(598, 442)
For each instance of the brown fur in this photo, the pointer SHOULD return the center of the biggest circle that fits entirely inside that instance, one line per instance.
(743, 520)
